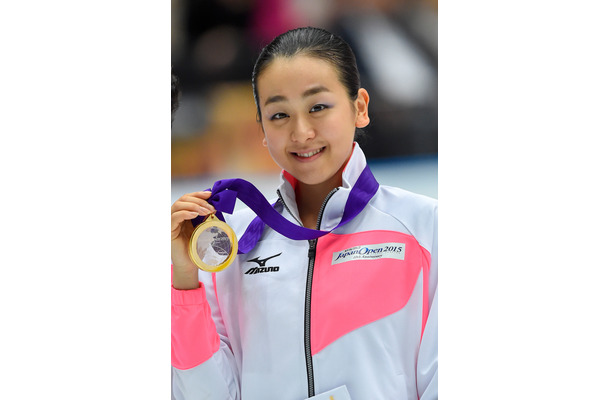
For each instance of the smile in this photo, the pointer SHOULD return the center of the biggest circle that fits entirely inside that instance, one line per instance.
(310, 154)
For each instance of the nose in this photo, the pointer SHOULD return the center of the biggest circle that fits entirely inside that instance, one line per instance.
(302, 130)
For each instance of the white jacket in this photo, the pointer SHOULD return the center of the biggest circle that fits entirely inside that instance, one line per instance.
(351, 315)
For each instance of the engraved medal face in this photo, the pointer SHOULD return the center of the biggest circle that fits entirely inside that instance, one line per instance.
(213, 245)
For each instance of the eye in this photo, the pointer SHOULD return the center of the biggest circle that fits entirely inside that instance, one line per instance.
(318, 107)
(279, 116)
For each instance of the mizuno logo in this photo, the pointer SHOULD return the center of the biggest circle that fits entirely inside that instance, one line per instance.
(261, 267)
(264, 260)
(257, 270)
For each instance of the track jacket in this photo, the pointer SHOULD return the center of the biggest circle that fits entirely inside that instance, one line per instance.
(351, 315)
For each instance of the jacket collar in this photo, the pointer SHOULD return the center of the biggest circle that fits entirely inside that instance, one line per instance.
(333, 210)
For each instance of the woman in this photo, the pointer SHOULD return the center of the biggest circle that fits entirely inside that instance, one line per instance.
(351, 315)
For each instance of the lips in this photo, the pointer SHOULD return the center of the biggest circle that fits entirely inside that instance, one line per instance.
(309, 154)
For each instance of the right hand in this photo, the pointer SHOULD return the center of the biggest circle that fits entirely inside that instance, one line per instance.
(187, 207)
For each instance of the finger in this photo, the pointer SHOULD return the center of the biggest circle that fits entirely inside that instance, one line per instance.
(179, 217)
(197, 198)
(204, 195)
(190, 206)
(193, 205)
(193, 198)
(200, 202)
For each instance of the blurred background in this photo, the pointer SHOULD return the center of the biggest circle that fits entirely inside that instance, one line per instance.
(215, 44)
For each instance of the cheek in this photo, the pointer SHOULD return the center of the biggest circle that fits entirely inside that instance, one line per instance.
(272, 130)
(274, 145)
(338, 131)
(342, 120)
(272, 137)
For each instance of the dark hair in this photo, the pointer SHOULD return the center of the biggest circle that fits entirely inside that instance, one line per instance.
(314, 42)
(176, 92)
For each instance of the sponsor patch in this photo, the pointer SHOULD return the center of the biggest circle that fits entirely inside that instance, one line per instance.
(370, 252)
(262, 265)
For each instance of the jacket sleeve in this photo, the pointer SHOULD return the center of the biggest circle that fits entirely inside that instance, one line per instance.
(203, 365)
(427, 359)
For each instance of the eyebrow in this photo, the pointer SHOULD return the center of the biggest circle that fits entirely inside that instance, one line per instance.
(307, 93)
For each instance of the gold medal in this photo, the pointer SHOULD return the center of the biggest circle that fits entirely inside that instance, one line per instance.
(213, 245)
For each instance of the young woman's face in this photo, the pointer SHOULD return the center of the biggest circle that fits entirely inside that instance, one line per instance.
(308, 119)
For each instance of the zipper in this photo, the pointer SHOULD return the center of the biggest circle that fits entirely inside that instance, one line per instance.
(311, 254)
(312, 259)
(308, 357)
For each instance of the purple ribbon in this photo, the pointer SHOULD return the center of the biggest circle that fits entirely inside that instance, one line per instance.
(226, 191)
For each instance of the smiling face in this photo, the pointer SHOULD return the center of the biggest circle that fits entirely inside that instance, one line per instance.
(308, 119)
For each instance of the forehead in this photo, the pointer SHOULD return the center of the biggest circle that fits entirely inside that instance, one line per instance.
(298, 71)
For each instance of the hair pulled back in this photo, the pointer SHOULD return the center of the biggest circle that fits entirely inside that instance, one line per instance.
(313, 42)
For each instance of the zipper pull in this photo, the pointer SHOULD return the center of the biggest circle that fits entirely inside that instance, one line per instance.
(312, 249)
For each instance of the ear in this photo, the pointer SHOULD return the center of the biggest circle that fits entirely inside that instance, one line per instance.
(265, 141)
(362, 108)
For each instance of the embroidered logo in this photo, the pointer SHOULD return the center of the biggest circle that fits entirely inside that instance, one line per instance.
(370, 252)
(261, 265)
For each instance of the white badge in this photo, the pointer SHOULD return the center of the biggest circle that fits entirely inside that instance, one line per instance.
(339, 393)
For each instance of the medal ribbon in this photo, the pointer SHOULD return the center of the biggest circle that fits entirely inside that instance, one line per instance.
(226, 191)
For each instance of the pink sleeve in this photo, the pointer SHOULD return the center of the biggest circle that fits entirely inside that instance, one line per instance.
(194, 336)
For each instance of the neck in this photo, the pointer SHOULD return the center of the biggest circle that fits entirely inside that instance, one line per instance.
(311, 197)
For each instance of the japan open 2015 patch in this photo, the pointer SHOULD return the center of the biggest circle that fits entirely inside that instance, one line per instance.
(370, 252)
